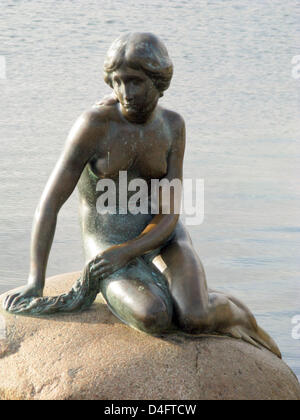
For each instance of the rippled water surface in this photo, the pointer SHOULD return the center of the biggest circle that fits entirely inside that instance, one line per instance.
(234, 87)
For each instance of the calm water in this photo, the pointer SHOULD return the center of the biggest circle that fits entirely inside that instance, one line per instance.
(233, 85)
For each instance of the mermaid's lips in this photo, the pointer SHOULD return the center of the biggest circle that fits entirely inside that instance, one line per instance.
(130, 106)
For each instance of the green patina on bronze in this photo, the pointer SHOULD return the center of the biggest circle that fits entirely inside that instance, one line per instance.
(130, 132)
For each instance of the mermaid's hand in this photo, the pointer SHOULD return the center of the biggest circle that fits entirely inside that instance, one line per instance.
(108, 100)
(110, 260)
(25, 292)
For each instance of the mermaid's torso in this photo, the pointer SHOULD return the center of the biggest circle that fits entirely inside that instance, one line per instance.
(126, 153)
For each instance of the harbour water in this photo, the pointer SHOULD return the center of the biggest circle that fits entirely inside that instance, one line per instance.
(233, 84)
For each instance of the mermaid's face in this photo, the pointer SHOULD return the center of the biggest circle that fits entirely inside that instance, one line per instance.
(135, 91)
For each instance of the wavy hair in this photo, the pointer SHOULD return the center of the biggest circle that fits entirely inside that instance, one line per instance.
(140, 51)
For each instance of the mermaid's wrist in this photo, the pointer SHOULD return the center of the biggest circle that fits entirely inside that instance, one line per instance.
(36, 281)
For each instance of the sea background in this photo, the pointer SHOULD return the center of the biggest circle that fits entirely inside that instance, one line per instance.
(233, 85)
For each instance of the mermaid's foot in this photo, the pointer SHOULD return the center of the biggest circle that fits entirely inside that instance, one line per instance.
(244, 325)
(256, 337)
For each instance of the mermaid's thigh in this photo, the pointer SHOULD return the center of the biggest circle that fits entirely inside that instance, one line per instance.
(138, 295)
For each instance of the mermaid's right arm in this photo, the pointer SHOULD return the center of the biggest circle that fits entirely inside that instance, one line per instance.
(79, 148)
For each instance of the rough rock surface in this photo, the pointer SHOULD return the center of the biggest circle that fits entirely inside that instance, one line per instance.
(92, 355)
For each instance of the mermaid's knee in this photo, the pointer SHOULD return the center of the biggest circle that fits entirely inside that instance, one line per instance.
(139, 305)
(153, 318)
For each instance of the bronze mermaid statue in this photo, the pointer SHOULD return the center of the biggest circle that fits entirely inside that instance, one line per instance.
(144, 264)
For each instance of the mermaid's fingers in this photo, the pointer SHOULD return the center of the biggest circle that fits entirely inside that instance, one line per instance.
(97, 260)
(100, 264)
(17, 299)
(94, 271)
(101, 271)
(9, 299)
(5, 301)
